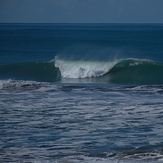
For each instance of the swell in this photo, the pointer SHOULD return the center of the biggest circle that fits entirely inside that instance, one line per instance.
(36, 71)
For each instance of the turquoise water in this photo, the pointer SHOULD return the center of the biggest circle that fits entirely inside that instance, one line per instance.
(81, 93)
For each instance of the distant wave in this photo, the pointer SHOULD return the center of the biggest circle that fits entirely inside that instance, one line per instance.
(125, 71)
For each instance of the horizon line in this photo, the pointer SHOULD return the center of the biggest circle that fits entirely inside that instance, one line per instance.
(75, 23)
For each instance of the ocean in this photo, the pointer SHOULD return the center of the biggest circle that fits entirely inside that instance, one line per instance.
(81, 93)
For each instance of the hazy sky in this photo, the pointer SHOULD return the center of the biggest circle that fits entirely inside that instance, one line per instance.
(81, 11)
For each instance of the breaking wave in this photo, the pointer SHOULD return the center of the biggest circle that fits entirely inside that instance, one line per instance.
(124, 71)
(129, 71)
(83, 68)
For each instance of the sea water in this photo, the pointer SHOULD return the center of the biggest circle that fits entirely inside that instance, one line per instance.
(83, 93)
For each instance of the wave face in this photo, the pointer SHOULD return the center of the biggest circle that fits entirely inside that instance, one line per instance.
(134, 71)
(125, 71)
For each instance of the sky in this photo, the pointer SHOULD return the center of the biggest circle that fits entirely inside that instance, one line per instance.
(81, 11)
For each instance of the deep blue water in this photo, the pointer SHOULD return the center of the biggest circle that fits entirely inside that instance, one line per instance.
(81, 93)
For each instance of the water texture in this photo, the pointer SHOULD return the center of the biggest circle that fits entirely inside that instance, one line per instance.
(82, 93)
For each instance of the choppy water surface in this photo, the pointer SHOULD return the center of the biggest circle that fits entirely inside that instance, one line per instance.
(43, 122)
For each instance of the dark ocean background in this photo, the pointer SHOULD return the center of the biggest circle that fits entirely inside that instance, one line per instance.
(81, 93)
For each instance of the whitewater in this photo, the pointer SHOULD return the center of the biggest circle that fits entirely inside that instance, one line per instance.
(82, 69)
(81, 93)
